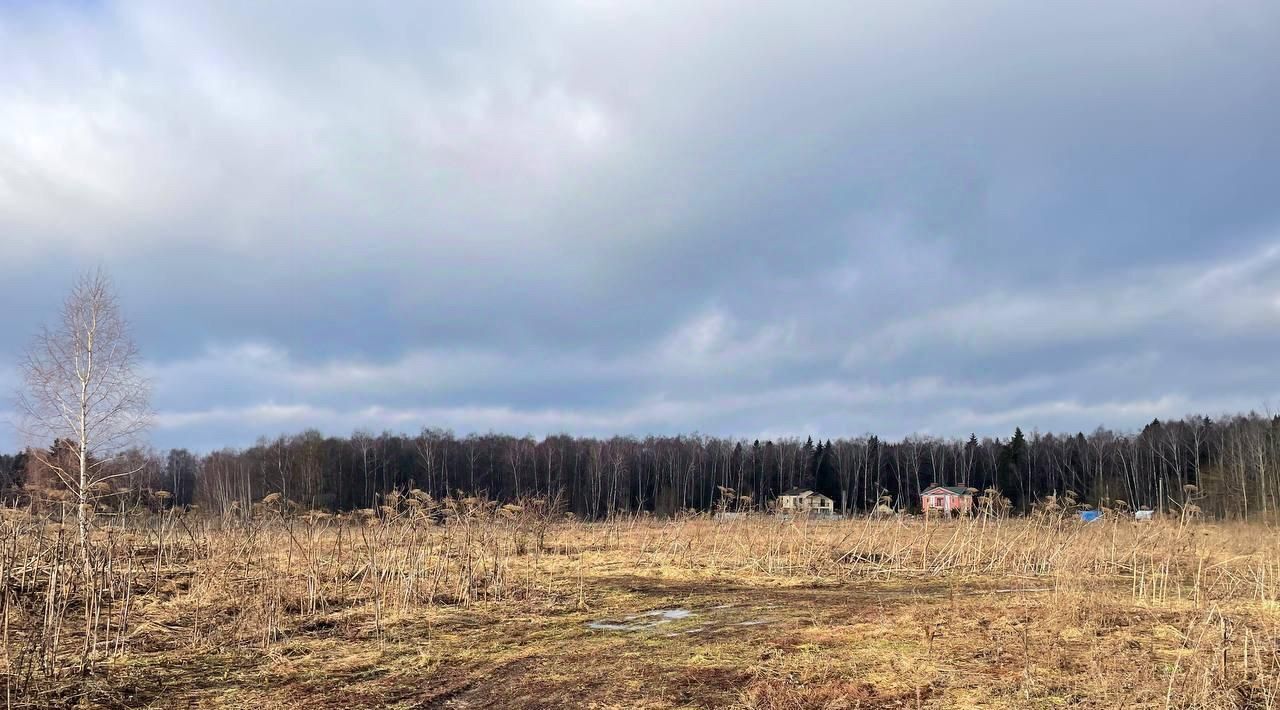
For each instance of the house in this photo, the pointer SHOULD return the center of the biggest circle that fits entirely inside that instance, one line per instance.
(946, 499)
(802, 501)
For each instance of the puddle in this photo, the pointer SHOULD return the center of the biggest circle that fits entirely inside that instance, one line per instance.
(641, 622)
(666, 614)
(650, 620)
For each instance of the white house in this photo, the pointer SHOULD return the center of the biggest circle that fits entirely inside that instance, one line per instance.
(802, 501)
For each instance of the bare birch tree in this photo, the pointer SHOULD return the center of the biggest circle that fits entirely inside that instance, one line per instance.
(82, 387)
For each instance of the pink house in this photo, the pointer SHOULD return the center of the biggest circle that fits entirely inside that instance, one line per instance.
(946, 499)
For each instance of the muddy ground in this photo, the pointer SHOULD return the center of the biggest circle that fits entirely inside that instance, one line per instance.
(649, 642)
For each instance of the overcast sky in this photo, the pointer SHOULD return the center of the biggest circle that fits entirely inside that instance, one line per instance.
(598, 217)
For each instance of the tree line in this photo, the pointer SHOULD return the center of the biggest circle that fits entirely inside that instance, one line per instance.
(1227, 467)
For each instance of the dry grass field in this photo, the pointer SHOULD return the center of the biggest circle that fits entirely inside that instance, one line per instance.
(469, 605)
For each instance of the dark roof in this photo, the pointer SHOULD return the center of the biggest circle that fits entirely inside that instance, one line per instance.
(958, 490)
(797, 491)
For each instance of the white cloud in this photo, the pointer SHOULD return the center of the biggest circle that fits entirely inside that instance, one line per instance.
(1057, 410)
(271, 367)
(710, 345)
(1121, 413)
(1227, 297)
(715, 342)
(268, 414)
(639, 415)
(149, 116)
(634, 217)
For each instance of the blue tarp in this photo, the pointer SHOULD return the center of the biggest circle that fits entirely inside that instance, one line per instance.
(1090, 515)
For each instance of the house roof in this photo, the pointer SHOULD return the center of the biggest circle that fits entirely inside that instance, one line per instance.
(804, 493)
(957, 490)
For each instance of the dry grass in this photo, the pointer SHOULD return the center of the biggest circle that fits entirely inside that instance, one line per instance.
(470, 605)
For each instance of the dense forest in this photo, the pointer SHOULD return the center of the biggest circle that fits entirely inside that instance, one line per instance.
(1227, 467)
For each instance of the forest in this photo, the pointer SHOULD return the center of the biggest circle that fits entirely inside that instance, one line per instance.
(1227, 467)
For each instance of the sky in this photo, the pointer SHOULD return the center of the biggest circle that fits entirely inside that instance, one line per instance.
(596, 217)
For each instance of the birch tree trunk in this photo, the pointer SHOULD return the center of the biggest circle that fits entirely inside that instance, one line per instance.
(83, 392)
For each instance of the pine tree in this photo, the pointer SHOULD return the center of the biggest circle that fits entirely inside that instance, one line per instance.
(1012, 455)
(873, 470)
(826, 477)
(812, 463)
(970, 455)
(757, 475)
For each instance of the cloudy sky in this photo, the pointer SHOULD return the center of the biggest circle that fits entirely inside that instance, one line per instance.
(601, 217)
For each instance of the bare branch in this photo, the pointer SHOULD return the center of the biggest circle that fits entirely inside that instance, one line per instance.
(82, 387)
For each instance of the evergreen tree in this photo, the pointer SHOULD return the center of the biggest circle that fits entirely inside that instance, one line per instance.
(20, 464)
(970, 456)
(1008, 477)
(11, 470)
(757, 475)
(771, 474)
(814, 455)
(826, 477)
(873, 470)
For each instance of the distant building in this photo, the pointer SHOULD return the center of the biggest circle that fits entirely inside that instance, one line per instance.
(802, 501)
(946, 499)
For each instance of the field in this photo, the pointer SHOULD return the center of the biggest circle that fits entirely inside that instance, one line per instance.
(471, 605)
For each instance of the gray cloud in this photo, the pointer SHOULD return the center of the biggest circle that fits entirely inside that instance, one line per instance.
(602, 218)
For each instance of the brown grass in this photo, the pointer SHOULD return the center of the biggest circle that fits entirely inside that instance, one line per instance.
(471, 605)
